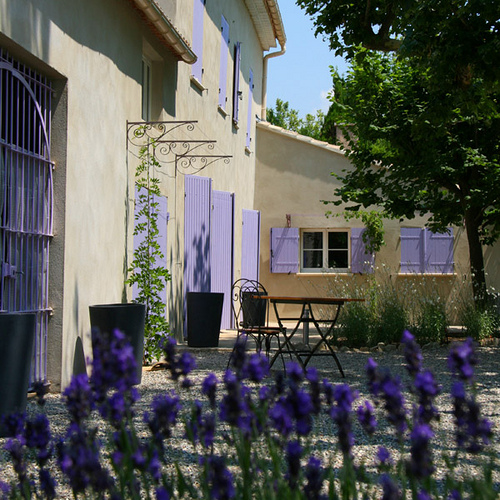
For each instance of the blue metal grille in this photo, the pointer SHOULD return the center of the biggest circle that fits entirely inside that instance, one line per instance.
(25, 198)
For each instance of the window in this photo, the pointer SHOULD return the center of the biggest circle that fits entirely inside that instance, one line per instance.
(236, 82)
(423, 251)
(249, 116)
(319, 250)
(197, 39)
(146, 90)
(224, 51)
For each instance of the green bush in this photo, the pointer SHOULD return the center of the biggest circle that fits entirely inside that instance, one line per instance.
(479, 323)
(430, 322)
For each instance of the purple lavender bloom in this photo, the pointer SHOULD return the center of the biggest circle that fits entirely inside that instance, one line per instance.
(264, 393)
(314, 389)
(209, 388)
(328, 390)
(420, 464)
(239, 355)
(390, 490)
(315, 476)
(220, 479)
(13, 424)
(294, 372)
(383, 456)
(293, 455)
(256, 367)
(281, 418)
(394, 402)
(454, 495)
(186, 363)
(162, 493)
(462, 359)
(47, 483)
(423, 495)
(37, 435)
(366, 417)
(427, 389)
(341, 414)
(178, 365)
(374, 377)
(15, 448)
(472, 431)
(79, 399)
(412, 353)
(163, 416)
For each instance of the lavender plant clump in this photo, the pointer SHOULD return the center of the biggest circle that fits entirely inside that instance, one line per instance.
(252, 432)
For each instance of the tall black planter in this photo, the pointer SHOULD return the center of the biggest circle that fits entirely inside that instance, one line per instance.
(129, 319)
(204, 313)
(17, 337)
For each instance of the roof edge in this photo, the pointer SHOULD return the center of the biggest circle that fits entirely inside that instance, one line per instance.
(298, 137)
(163, 28)
(277, 21)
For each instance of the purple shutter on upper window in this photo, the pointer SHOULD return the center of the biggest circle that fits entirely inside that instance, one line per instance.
(224, 49)
(236, 82)
(361, 260)
(412, 250)
(221, 250)
(250, 107)
(197, 38)
(250, 245)
(439, 252)
(284, 250)
(197, 208)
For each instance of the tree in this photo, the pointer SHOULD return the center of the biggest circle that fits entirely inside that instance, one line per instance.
(423, 121)
(285, 117)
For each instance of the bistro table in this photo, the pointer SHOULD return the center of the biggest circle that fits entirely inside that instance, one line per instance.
(306, 317)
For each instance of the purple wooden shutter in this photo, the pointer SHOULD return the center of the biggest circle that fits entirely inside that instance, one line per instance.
(197, 38)
(412, 250)
(284, 250)
(250, 245)
(361, 261)
(197, 204)
(250, 107)
(236, 82)
(224, 49)
(439, 252)
(221, 250)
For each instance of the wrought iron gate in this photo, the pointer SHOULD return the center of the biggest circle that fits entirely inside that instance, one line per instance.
(25, 198)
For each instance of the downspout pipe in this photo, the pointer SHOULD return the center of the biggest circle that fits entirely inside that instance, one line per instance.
(264, 78)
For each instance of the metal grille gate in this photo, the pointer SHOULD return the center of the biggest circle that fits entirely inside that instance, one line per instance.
(25, 198)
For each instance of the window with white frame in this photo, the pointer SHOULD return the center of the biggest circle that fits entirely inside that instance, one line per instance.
(147, 85)
(197, 39)
(319, 250)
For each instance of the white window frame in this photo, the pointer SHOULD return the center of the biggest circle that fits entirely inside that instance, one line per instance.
(325, 249)
(147, 89)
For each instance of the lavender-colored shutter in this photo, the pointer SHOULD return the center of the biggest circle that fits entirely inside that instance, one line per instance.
(197, 39)
(221, 251)
(197, 203)
(138, 238)
(236, 82)
(284, 250)
(250, 108)
(361, 260)
(224, 49)
(412, 250)
(250, 243)
(439, 252)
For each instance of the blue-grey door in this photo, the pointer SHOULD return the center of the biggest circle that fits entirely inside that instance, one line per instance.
(250, 244)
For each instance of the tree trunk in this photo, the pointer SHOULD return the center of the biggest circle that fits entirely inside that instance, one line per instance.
(478, 276)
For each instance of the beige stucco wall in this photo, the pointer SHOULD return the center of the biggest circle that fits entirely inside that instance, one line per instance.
(292, 177)
(93, 51)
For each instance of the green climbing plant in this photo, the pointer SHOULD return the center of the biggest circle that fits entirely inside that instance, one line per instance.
(145, 270)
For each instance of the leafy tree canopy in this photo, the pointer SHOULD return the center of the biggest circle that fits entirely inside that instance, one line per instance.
(420, 107)
(282, 115)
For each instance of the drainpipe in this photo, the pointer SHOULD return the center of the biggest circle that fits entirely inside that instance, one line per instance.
(264, 78)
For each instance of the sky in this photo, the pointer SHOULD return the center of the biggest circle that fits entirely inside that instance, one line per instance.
(302, 75)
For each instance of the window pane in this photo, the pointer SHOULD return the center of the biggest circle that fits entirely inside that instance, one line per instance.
(312, 259)
(313, 240)
(337, 240)
(338, 259)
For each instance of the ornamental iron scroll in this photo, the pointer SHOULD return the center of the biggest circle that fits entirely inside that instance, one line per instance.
(172, 142)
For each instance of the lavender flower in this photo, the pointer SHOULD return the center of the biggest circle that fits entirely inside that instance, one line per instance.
(366, 417)
(47, 483)
(427, 390)
(314, 389)
(420, 464)
(293, 455)
(162, 493)
(209, 388)
(374, 377)
(37, 436)
(394, 402)
(423, 495)
(255, 367)
(163, 416)
(390, 490)
(412, 353)
(178, 365)
(383, 457)
(220, 479)
(341, 414)
(79, 399)
(462, 359)
(315, 476)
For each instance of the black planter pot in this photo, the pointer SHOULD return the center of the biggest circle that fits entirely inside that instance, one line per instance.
(129, 319)
(204, 313)
(17, 337)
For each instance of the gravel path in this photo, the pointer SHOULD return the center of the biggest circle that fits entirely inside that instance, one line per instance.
(323, 446)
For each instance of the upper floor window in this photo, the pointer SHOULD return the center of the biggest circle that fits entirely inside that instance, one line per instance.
(224, 52)
(147, 85)
(197, 38)
(250, 109)
(236, 82)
